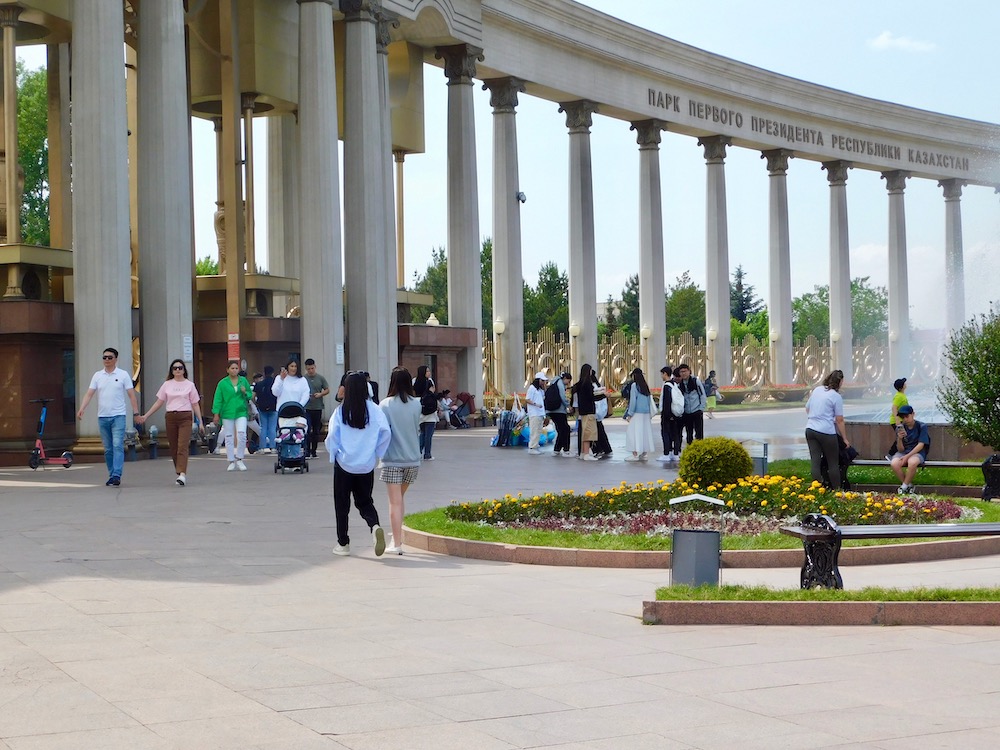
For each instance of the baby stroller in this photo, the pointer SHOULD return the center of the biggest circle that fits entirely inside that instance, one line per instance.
(466, 406)
(291, 439)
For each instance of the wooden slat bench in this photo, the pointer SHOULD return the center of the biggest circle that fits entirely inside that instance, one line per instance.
(821, 539)
(931, 464)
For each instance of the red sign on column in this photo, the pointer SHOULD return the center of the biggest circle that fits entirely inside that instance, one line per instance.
(233, 348)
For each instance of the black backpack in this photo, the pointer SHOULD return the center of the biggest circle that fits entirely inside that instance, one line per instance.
(626, 391)
(552, 401)
(428, 403)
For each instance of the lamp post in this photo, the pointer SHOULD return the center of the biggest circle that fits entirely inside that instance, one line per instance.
(834, 348)
(498, 328)
(574, 331)
(645, 332)
(712, 334)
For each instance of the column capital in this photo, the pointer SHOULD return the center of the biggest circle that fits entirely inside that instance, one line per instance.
(217, 124)
(777, 160)
(459, 62)
(647, 133)
(578, 115)
(503, 93)
(952, 188)
(715, 147)
(360, 10)
(895, 180)
(384, 23)
(248, 100)
(9, 14)
(836, 171)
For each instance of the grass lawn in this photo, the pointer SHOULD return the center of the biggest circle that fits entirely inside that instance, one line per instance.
(436, 522)
(971, 477)
(871, 594)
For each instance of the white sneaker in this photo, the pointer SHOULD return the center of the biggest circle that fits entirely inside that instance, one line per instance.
(342, 549)
(591, 457)
(232, 467)
(631, 459)
(534, 451)
(241, 466)
(378, 537)
(642, 456)
(394, 550)
(181, 479)
(664, 457)
(677, 458)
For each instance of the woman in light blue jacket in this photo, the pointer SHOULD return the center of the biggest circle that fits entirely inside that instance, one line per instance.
(638, 413)
(401, 461)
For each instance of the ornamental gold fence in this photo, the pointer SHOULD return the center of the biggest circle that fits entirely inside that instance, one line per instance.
(618, 354)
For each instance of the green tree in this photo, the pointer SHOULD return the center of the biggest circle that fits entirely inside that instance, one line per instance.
(486, 279)
(685, 308)
(869, 311)
(969, 393)
(611, 322)
(743, 300)
(757, 325)
(628, 310)
(207, 266)
(547, 304)
(434, 281)
(33, 153)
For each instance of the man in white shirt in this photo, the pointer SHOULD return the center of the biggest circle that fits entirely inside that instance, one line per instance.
(111, 386)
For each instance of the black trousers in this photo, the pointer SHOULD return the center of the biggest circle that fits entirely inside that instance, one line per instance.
(694, 426)
(360, 486)
(670, 433)
(315, 419)
(562, 430)
(601, 445)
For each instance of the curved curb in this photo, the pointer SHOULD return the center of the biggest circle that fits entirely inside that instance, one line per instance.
(820, 613)
(782, 558)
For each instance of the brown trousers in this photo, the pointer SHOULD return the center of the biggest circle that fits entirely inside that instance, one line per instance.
(179, 436)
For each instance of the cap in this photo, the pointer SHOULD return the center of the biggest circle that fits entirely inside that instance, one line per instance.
(904, 409)
(898, 383)
(541, 376)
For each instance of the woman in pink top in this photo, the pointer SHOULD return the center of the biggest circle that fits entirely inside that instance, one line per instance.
(181, 398)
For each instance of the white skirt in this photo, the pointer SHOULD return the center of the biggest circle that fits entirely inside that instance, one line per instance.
(639, 434)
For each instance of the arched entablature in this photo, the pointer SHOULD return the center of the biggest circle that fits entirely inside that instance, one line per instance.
(434, 23)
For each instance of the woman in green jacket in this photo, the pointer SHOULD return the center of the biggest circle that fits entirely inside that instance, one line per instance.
(230, 406)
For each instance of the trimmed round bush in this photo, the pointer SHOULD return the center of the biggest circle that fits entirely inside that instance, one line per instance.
(715, 460)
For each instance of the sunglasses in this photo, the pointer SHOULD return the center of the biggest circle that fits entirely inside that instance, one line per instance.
(108, 356)
(177, 367)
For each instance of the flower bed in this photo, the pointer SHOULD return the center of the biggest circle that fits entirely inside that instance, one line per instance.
(788, 392)
(771, 497)
(735, 394)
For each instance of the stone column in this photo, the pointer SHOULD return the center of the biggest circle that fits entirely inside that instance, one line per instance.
(508, 278)
(651, 284)
(779, 292)
(247, 102)
(841, 316)
(60, 195)
(102, 312)
(12, 197)
(389, 342)
(717, 314)
(321, 281)
(954, 271)
(399, 156)
(899, 305)
(364, 197)
(465, 292)
(582, 264)
(166, 215)
(283, 205)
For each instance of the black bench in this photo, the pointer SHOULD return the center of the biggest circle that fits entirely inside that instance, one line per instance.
(821, 539)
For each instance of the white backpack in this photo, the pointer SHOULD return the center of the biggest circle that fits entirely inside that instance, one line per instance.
(676, 400)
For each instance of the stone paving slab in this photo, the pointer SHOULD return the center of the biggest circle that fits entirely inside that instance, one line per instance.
(214, 616)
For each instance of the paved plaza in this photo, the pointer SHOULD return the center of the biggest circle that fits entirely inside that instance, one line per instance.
(214, 616)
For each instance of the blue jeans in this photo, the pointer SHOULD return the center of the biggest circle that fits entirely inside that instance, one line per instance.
(426, 436)
(113, 437)
(268, 429)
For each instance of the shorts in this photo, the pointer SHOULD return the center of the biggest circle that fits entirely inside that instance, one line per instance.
(398, 474)
(588, 427)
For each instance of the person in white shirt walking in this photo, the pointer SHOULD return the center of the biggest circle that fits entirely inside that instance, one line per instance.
(111, 385)
(535, 398)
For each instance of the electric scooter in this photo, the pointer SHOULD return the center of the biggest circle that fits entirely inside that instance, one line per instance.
(38, 457)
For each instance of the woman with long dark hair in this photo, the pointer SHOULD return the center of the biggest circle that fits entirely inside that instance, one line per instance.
(638, 414)
(182, 402)
(423, 385)
(401, 461)
(357, 438)
(583, 390)
(825, 420)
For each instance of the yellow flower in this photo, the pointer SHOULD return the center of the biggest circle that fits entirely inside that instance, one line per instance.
(763, 503)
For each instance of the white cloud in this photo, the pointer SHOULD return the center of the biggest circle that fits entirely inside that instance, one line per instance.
(889, 41)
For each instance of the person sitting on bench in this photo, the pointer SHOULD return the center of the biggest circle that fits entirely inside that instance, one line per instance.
(912, 444)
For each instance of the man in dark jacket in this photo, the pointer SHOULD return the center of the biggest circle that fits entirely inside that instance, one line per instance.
(693, 420)
(267, 405)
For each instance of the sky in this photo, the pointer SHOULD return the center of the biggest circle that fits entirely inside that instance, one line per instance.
(919, 53)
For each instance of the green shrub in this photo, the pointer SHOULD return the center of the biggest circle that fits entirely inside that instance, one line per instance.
(715, 460)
